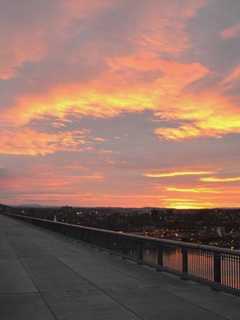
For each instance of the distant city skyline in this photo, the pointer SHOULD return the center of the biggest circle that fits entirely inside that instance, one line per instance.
(121, 103)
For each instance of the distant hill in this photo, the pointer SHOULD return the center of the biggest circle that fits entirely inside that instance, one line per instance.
(29, 205)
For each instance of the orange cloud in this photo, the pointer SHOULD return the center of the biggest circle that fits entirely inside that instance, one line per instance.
(29, 142)
(116, 91)
(173, 74)
(80, 186)
(176, 174)
(208, 115)
(112, 94)
(215, 179)
(192, 190)
(124, 85)
(75, 59)
(162, 30)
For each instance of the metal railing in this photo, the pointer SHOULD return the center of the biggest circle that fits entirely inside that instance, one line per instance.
(215, 266)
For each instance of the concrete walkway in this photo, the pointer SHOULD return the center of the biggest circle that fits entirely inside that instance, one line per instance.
(45, 276)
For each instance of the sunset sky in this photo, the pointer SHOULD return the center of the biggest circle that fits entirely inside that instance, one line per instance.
(120, 102)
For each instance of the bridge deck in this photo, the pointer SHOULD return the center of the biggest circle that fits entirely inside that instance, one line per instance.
(45, 276)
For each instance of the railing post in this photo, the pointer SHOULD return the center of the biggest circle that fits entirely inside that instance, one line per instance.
(159, 259)
(184, 263)
(217, 270)
(140, 254)
(123, 249)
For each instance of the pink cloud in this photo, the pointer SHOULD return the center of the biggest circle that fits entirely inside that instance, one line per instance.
(231, 32)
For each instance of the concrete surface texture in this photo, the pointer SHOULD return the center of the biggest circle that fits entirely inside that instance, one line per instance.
(46, 276)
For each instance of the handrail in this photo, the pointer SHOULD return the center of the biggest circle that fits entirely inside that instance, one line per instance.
(184, 244)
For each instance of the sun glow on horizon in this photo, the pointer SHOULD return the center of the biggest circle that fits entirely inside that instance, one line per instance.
(189, 205)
